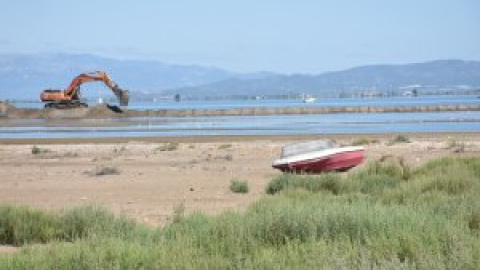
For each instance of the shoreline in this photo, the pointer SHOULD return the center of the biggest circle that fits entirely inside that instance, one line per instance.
(235, 138)
(8, 111)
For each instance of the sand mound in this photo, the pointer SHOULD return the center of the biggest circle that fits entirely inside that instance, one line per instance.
(104, 111)
(100, 111)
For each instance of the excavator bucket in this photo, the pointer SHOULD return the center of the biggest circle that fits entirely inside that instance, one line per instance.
(122, 95)
(124, 98)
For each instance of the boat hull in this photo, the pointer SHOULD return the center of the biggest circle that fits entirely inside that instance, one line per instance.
(342, 161)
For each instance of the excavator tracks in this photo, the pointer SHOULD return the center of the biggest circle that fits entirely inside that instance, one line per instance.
(66, 105)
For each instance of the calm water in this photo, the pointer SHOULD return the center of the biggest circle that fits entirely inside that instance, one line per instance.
(331, 102)
(250, 125)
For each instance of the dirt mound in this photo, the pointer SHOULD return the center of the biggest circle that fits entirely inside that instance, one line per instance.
(100, 111)
(104, 111)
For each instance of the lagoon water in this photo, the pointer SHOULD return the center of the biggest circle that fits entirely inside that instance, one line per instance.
(341, 123)
(321, 102)
(330, 102)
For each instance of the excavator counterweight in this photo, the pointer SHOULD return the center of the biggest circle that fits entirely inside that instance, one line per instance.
(69, 98)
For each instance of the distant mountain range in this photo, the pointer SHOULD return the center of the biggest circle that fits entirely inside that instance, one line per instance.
(435, 76)
(25, 76)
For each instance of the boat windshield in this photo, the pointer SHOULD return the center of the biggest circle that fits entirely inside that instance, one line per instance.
(306, 147)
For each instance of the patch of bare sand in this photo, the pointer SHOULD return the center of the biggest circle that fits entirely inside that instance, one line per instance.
(5, 249)
(150, 181)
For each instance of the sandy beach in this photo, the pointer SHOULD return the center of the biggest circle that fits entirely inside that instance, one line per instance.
(147, 178)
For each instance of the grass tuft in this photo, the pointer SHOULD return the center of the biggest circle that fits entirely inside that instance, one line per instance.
(106, 170)
(327, 182)
(20, 225)
(37, 150)
(399, 139)
(225, 146)
(364, 141)
(237, 186)
(172, 146)
(178, 213)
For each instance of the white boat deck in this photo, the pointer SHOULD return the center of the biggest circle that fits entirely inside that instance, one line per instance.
(316, 155)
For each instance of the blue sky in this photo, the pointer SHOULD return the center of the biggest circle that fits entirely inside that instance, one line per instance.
(302, 36)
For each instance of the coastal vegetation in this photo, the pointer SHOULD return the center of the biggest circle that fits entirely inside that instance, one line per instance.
(399, 139)
(37, 150)
(104, 170)
(171, 146)
(364, 141)
(384, 216)
(238, 186)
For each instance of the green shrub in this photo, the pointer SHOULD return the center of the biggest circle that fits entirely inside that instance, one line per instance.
(364, 141)
(238, 186)
(326, 182)
(278, 184)
(37, 150)
(452, 182)
(374, 178)
(444, 165)
(395, 168)
(20, 225)
(84, 221)
(399, 139)
(225, 146)
(105, 170)
(446, 184)
(375, 184)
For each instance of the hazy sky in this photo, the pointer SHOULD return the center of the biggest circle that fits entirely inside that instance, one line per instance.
(301, 36)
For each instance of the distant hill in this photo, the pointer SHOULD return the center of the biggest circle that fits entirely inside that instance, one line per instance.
(24, 76)
(440, 75)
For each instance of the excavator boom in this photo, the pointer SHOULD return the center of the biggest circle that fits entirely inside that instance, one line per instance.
(69, 98)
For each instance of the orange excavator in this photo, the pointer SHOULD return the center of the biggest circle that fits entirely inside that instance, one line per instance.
(70, 97)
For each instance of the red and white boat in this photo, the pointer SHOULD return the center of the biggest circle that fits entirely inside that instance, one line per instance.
(318, 156)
